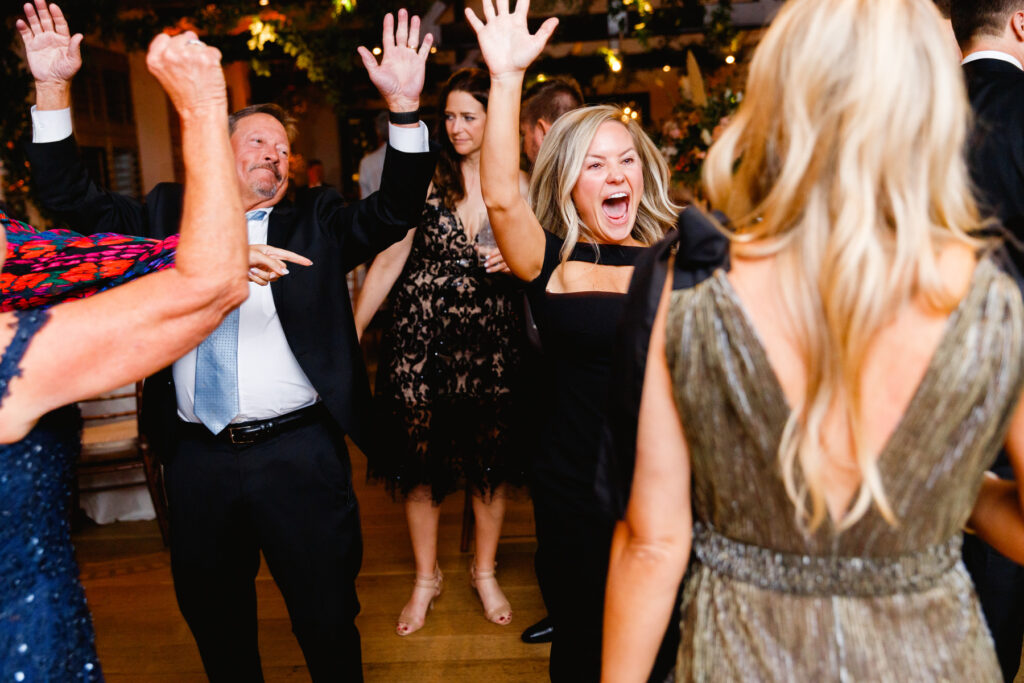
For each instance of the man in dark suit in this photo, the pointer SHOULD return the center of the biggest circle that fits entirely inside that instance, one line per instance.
(991, 37)
(254, 419)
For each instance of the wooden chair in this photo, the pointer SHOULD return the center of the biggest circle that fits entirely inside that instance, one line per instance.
(111, 442)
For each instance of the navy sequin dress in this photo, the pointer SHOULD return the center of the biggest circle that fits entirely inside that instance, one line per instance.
(45, 629)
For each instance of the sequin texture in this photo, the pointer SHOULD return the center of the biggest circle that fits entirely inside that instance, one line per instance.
(46, 631)
(767, 601)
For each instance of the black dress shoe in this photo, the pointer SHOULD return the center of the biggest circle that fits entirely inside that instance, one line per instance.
(541, 632)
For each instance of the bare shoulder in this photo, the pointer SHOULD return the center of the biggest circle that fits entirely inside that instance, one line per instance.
(957, 262)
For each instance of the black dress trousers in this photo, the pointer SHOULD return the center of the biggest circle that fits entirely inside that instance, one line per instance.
(290, 497)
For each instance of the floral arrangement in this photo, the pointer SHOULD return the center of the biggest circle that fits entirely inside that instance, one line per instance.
(703, 111)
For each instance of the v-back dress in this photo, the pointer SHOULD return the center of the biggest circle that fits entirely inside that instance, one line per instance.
(446, 380)
(765, 601)
(45, 629)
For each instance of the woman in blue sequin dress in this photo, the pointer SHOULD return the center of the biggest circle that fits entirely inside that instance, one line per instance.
(52, 357)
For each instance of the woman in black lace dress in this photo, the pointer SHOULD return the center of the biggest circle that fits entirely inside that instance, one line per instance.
(444, 381)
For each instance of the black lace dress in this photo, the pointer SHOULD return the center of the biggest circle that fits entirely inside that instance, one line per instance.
(445, 394)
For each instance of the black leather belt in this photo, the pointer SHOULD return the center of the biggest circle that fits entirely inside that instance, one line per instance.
(256, 431)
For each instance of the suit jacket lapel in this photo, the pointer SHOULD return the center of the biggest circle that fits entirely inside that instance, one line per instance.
(278, 231)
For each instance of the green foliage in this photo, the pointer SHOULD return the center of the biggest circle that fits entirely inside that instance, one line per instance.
(721, 34)
(686, 137)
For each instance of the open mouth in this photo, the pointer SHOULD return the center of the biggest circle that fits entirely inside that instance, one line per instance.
(616, 206)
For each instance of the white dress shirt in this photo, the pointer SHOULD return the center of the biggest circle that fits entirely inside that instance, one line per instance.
(270, 381)
(992, 54)
(370, 169)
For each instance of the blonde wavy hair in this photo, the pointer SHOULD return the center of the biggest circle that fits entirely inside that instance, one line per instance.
(845, 161)
(560, 163)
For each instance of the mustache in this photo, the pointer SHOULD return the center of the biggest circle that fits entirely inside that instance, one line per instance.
(270, 167)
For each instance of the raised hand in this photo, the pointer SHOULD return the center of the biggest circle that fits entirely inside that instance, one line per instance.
(190, 72)
(399, 76)
(54, 55)
(505, 39)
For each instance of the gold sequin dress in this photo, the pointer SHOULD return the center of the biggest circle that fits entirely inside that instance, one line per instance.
(766, 602)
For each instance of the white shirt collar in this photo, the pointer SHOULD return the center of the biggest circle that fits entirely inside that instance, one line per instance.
(993, 54)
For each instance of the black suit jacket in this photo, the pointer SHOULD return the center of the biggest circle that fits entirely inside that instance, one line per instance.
(312, 302)
(996, 147)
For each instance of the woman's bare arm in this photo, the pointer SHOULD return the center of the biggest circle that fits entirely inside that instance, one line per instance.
(998, 514)
(117, 337)
(651, 547)
(380, 278)
(508, 48)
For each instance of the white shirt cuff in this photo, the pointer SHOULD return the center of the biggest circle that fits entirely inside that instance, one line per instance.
(409, 140)
(50, 125)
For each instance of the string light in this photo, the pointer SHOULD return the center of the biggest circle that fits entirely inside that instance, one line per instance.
(666, 68)
(264, 3)
(376, 51)
(626, 110)
(541, 78)
(433, 50)
(612, 59)
(261, 35)
(730, 59)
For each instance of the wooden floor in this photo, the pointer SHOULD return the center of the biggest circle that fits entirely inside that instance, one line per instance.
(142, 637)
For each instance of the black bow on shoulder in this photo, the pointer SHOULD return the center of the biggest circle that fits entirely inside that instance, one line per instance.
(700, 249)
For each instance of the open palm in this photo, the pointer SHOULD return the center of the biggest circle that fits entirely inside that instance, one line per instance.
(399, 76)
(52, 53)
(505, 39)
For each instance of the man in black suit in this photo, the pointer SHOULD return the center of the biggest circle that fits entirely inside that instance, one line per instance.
(991, 37)
(253, 420)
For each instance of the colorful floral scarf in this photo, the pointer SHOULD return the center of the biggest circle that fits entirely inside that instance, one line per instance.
(46, 267)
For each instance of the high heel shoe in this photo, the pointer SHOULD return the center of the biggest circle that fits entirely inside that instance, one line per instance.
(500, 614)
(408, 621)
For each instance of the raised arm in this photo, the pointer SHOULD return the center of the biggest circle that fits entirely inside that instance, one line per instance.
(53, 55)
(508, 48)
(374, 223)
(998, 514)
(651, 547)
(97, 344)
(61, 181)
(380, 278)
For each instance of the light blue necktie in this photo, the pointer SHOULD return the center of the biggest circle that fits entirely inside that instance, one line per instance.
(216, 399)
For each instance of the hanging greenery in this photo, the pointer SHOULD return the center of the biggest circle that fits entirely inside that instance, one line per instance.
(313, 39)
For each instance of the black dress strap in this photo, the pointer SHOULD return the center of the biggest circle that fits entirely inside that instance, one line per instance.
(26, 325)
(700, 249)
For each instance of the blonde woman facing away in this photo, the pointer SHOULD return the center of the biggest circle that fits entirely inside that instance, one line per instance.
(597, 201)
(816, 424)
